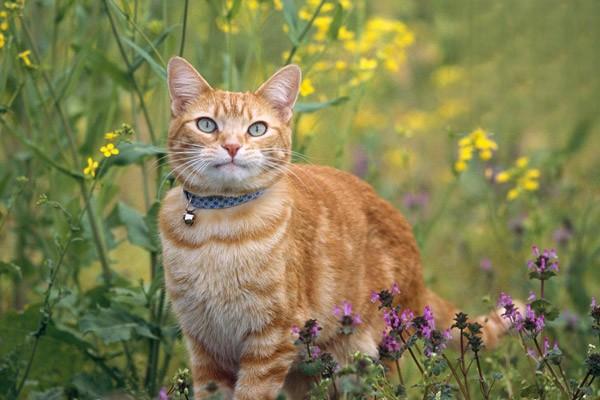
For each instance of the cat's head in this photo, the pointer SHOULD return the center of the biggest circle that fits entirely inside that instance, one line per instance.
(229, 142)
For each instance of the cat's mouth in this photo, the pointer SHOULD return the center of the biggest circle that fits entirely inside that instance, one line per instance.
(229, 166)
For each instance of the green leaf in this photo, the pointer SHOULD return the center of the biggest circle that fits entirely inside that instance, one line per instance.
(290, 14)
(312, 107)
(113, 325)
(137, 230)
(97, 61)
(138, 60)
(336, 23)
(131, 153)
(156, 67)
(235, 8)
(544, 307)
(10, 268)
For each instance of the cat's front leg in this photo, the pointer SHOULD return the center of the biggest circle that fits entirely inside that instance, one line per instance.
(208, 376)
(264, 364)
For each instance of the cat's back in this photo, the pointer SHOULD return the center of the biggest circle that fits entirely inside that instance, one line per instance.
(348, 196)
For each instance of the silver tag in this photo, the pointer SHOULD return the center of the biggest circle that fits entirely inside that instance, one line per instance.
(189, 217)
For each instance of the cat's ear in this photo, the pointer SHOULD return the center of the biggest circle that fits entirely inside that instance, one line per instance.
(185, 84)
(281, 90)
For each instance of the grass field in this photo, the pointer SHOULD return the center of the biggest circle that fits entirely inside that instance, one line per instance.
(477, 119)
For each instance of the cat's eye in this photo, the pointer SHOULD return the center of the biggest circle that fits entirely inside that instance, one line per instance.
(257, 129)
(206, 125)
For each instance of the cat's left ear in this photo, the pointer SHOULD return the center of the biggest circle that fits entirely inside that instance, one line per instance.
(186, 85)
(281, 90)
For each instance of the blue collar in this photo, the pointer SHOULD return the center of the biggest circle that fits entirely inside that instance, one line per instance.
(216, 202)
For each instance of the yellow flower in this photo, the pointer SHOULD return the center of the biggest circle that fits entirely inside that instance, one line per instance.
(278, 5)
(367, 63)
(460, 166)
(227, 27)
(307, 125)
(397, 158)
(111, 135)
(306, 88)
(304, 14)
(345, 34)
(522, 162)
(346, 4)
(533, 173)
(321, 65)
(502, 177)
(2, 40)
(513, 194)
(530, 185)
(109, 150)
(4, 23)
(341, 65)
(91, 167)
(447, 75)
(24, 56)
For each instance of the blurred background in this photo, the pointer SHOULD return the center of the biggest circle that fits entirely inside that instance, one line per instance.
(477, 119)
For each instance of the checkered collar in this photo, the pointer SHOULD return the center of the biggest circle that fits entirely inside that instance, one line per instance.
(217, 202)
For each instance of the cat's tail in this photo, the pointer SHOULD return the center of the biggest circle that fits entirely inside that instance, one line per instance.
(494, 325)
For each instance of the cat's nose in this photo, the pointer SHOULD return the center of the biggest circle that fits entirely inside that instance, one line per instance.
(232, 148)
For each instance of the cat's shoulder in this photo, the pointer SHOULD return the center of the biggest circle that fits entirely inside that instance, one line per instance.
(329, 176)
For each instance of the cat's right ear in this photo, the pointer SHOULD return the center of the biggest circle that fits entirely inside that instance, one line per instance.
(185, 84)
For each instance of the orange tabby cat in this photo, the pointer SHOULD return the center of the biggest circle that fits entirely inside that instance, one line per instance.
(301, 240)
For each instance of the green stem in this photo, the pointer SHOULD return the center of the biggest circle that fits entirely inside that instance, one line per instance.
(412, 354)
(307, 27)
(554, 376)
(456, 378)
(581, 385)
(183, 28)
(486, 393)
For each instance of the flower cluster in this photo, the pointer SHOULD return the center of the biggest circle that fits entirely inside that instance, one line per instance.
(544, 264)
(526, 179)
(531, 322)
(477, 141)
(3, 27)
(399, 323)
(382, 43)
(347, 319)
(315, 361)
(108, 149)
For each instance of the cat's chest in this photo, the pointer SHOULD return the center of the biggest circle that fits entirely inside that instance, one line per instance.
(225, 286)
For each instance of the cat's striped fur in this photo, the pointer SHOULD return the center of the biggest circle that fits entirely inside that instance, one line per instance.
(240, 278)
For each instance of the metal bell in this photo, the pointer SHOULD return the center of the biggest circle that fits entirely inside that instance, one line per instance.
(189, 217)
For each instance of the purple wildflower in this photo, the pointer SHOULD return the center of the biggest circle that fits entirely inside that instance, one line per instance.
(308, 333)
(374, 297)
(385, 297)
(486, 265)
(530, 323)
(406, 319)
(571, 320)
(543, 261)
(510, 310)
(347, 319)
(563, 234)
(531, 296)
(391, 318)
(416, 201)
(389, 343)
(163, 394)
